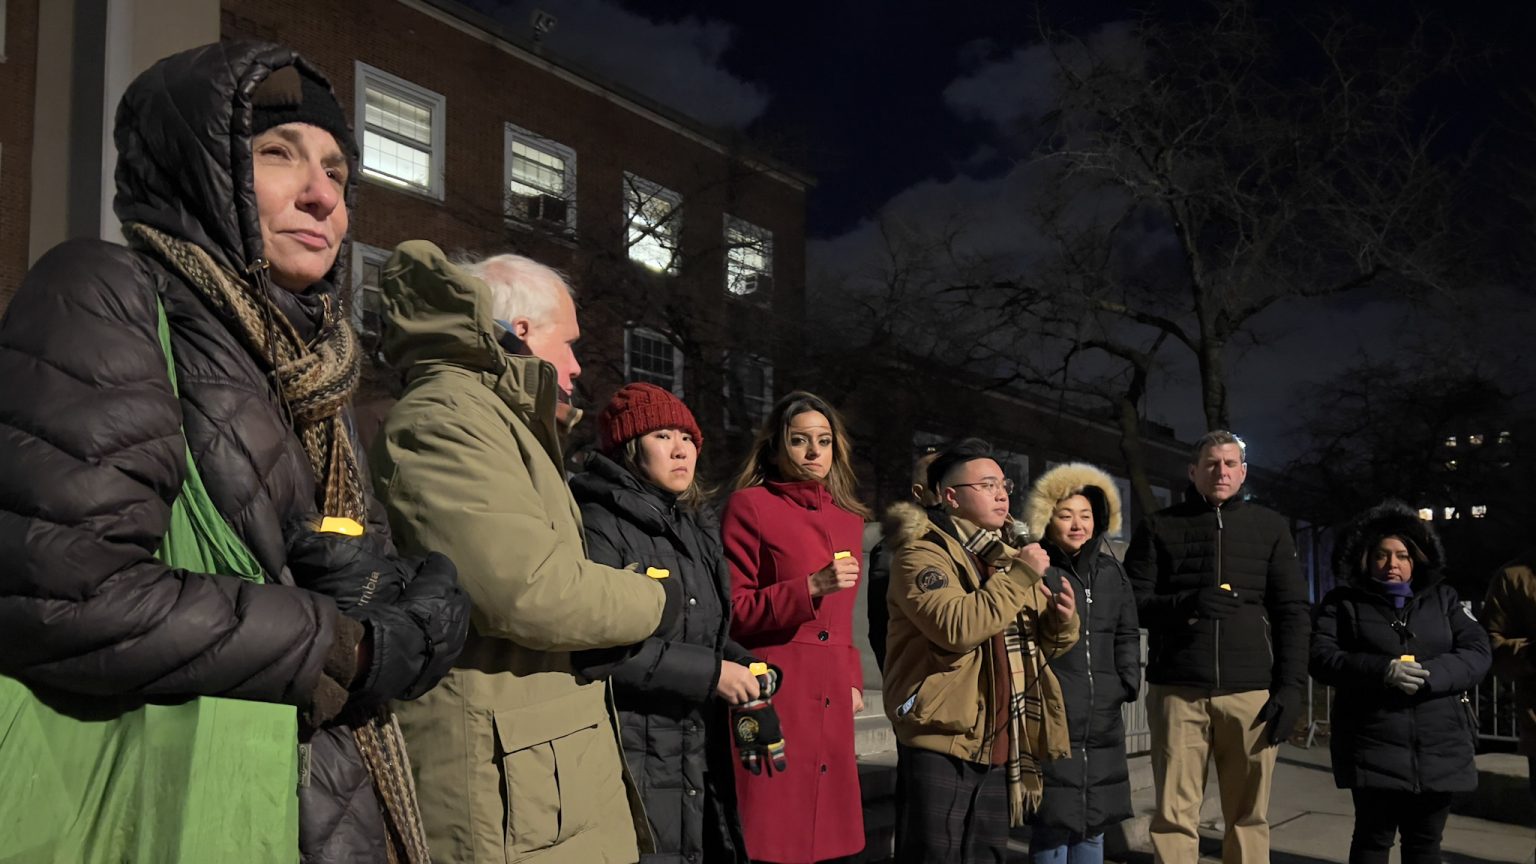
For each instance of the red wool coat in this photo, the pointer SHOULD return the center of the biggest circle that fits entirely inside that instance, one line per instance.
(776, 536)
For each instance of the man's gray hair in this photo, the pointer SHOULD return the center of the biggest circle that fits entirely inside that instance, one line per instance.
(520, 287)
(1217, 438)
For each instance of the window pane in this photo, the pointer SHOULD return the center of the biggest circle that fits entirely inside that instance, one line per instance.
(652, 360)
(401, 117)
(536, 172)
(393, 159)
(653, 229)
(748, 258)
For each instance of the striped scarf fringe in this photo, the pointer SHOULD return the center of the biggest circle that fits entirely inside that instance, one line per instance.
(314, 383)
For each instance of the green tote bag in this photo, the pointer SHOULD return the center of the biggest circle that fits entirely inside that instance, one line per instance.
(205, 780)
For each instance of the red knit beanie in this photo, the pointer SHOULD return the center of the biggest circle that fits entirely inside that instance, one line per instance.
(638, 409)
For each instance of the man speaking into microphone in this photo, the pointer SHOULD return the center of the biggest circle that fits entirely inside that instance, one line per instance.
(974, 706)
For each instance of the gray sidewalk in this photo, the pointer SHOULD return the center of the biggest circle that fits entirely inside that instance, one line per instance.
(1311, 820)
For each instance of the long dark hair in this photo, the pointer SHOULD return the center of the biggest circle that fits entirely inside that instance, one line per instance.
(762, 460)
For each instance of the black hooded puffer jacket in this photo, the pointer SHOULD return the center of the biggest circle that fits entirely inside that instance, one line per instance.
(1090, 789)
(1384, 738)
(92, 451)
(673, 728)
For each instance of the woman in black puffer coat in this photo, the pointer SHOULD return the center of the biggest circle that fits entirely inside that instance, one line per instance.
(1401, 652)
(640, 505)
(233, 176)
(1073, 509)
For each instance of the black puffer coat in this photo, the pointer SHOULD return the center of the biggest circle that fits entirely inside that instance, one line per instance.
(673, 730)
(1181, 549)
(92, 451)
(1090, 790)
(1384, 738)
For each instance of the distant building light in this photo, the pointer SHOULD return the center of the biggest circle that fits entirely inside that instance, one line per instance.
(1450, 440)
(1450, 464)
(1450, 512)
(1426, 513)
(1505, 437)
(1475, 439)
(1479, 511)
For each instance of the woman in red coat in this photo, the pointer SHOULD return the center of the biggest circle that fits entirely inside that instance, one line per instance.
(792, 592)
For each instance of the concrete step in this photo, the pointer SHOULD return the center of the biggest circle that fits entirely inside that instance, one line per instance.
(872, 732)
(1503, 791)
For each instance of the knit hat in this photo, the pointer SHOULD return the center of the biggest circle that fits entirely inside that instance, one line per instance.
(638, 409)
(289, 96)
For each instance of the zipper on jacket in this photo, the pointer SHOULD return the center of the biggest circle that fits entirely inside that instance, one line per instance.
(1219, 529)
(1087, 639)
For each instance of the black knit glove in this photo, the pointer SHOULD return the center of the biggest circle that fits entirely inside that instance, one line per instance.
(413, 642)
(1215, 602)
(755, 725)
(1281, 714)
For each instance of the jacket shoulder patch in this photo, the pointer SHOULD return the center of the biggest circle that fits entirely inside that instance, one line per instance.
(931, 579)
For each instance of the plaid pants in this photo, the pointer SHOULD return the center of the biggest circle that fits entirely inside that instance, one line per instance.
(950, 810)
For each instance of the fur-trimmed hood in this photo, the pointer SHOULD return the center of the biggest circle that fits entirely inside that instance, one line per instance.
(1387, 519)
(1064, 481)
(904, 522)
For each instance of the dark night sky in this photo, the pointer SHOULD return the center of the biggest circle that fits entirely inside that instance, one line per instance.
(910, 108)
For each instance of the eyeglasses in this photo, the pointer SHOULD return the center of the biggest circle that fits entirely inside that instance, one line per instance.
(990, 487)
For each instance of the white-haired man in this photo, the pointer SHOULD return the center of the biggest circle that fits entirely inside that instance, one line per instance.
(515, 754)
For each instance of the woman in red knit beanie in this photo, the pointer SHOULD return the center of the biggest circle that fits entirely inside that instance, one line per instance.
(640, 503)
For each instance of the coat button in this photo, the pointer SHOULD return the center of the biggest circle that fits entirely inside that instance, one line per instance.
(829, 702)
(692, 792)
(822, 635)
(823, 769)
(693, 601)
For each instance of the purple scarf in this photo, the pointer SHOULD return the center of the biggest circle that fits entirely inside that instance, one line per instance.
(1397, 592)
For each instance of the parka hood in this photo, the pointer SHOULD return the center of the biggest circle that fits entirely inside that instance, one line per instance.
(1389, 518)
(183, 139)
(1064, 481)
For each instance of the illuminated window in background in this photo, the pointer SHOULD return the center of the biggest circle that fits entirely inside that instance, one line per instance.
(1450, 512)
(649, 356)
(1479, 511)
(748, 258)
(1450, 441)
(1426, 513)
(1506, 437)
(541, 180)
(402, 131)
(368, 299)
(651, 219)
(1475, 439)
(1450, 464)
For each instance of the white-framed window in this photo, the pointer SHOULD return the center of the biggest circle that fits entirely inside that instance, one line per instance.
(748, 259)
(748, 390)
(651, 357)
(651, 217)
(368, 297)
(402, 130)
(540, 181)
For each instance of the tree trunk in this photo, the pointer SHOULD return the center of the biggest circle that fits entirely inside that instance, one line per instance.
(1135, 461)
(1213, 383)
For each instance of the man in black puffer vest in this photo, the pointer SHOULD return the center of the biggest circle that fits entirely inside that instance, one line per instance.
(1221, 595)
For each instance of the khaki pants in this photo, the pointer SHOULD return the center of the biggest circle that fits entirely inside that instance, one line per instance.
(1189, 726)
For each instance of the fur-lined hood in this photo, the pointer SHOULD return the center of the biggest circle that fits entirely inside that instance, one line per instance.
(1389, 518)
(1064, 481)
(905, 522)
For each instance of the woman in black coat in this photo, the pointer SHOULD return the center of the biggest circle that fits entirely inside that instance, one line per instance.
(1401, 652)
(1073, 508)
(640, 504)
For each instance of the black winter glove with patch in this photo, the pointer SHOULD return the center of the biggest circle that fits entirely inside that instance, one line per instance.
(755, 726)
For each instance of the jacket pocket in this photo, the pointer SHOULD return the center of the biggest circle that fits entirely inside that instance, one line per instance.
(940, 704)
(555, 780)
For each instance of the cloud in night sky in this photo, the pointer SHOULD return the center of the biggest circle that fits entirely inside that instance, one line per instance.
(677, 63)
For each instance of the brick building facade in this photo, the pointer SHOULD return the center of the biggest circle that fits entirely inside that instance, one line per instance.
(18, 68)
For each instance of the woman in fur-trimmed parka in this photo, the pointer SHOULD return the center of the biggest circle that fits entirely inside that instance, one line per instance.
(1400, 651)
(1073, 509)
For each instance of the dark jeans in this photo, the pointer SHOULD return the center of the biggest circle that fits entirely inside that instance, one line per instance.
(951, 810)
(1381, 814)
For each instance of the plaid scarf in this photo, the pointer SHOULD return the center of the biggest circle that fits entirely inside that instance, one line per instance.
(315, 381)
(1033, 689)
